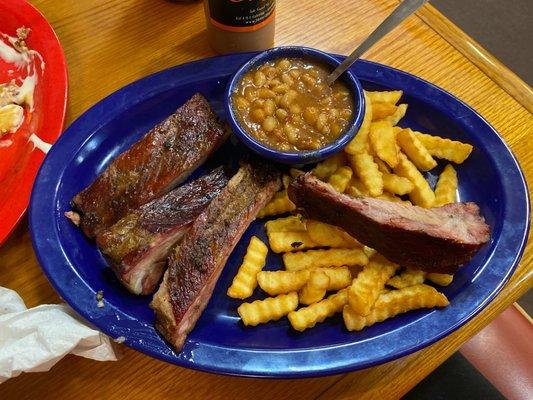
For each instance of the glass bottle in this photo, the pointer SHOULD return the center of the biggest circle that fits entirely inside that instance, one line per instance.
(240, 25)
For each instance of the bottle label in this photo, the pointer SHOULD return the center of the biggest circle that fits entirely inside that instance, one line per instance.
(241, 15)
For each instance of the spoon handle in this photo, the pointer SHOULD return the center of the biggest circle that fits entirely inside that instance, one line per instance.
(405, 9)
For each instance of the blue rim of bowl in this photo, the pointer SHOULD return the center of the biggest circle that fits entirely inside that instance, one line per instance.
(43, 227)
(306, 156)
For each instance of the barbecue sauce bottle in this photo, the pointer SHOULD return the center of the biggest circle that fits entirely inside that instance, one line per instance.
(240, 25)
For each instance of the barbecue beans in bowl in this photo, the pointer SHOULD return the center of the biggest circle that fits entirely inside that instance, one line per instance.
(280, 106)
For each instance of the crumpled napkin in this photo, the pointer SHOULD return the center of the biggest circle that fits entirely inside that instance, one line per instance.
(33, 340)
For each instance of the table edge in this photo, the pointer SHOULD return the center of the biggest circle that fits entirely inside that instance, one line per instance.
(478, 55)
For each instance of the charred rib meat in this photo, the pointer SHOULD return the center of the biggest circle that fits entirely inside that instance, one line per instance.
(153, 166)
(194, 266)
(434, 240)
(137, 245)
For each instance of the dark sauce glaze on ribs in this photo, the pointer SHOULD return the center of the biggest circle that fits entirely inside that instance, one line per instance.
(138, 244)
(195, 265)
(153, 166)
(434, 240)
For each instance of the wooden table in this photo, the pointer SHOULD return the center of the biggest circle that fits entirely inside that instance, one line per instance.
(109, 43)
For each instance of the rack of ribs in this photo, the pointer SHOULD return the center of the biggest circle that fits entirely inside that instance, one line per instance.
(434, 240)
(137, 245)
(195, 265)
(153, 166)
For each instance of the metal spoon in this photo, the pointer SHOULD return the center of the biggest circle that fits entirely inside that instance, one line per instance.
(405, 9)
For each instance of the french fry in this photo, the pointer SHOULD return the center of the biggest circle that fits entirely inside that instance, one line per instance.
(327, 235)
(391, 197)
(307, 317)
(383, 141)
(340, 178)
(385, 97)
(367, 170)
(397, 184)
(369, 252)
(421, 195)
(446, 187)
(407, 278)
(324, 258)
(294, 223)
(415, 150)
(382, 110)
(326, 168)
(356, 188)
(339, 277)
(447, 149)
(278, 282)
(269, 309)
(398, 114)
(282, 242)
(245, 281)
(365, 289)
(382, 166)
(280, 204)
(315, 288)
(360, 142)
(393, 303)
(440, 279)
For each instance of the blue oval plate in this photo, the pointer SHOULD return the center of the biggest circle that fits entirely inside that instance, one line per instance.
(220, 343)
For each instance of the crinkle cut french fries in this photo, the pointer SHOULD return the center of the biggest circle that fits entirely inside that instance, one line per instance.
(393, 303)
(326, 168)
(340, 178)
(330, 236)
(382, 110)
(383, 141)
(294, 223)
(368, 172)
(360, 142)
(324, 258)
(365, 289)
(446, 186)
(339, 277)
(397, 184)
(281, 242)
(446, 149)
(407, 278)
(280, 204)
(269, 309)
(391, 97)
(326, 270)
(245, 281)
(315, 288)
(398, 114)
(415, 150)
(421, 195)
(307, 317)
(279, 282)
(356, 188)
(440, 279)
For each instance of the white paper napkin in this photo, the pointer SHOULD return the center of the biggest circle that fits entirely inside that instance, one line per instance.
(33, 340)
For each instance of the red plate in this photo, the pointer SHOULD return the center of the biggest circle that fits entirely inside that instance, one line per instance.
(20, 161)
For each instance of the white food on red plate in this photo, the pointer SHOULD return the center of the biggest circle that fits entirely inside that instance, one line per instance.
(18, 94)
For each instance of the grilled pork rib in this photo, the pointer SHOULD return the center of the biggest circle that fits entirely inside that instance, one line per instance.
(434, 240)
(153, 166)
(195, 265)
(137, 245)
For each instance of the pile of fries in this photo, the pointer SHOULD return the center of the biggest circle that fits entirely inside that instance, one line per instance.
(327, 271)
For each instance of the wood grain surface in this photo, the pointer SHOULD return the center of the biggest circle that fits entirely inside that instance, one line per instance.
(109, 43)
(491, 66)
